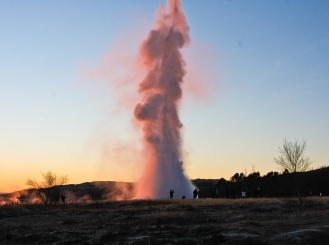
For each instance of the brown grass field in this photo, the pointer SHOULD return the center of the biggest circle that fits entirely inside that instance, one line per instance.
(177, 221)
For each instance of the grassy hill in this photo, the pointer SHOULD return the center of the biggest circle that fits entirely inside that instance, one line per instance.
(313, 183)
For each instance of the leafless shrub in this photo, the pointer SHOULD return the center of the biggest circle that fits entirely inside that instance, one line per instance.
(48, 191)
(292, 161)
(292, 157)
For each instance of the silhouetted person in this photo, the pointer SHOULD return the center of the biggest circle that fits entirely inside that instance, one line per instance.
(195, 193)
(63, 198)
(171, 194)
(217, 192)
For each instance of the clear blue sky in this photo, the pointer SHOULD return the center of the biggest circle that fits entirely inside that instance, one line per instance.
(268, 61)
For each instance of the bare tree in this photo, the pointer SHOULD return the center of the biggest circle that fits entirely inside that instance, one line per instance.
(292, 157)
(292, 160)
(48, 191)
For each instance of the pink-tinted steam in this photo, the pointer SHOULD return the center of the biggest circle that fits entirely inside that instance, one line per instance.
(161, 93)
(116, 69)
(202, 75)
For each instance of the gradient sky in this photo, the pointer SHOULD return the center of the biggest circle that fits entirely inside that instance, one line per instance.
(261, 67)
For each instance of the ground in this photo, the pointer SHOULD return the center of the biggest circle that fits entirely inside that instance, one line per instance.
(178, 221)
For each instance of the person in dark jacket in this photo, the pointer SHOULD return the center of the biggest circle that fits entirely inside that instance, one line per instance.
(171, 194)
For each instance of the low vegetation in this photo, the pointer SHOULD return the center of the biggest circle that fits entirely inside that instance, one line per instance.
(264, 221)
(48, 191)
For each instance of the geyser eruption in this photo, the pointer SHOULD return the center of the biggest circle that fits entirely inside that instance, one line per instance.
(161, 92)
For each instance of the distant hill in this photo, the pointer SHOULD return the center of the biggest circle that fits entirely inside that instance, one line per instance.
(84, 192)
(91, 191)
(314, 182)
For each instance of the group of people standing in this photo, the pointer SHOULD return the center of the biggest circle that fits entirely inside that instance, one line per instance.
(195, 194)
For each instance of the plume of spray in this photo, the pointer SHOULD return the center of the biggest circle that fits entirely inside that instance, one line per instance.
(161, 93)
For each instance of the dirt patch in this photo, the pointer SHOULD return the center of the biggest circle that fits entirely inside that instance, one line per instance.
(201, 221)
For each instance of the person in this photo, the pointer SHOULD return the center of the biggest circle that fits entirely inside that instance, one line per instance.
(63, 198)
(171, 194)
(257, 192)
(217, 192)
(195, 193)
(243, 193)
